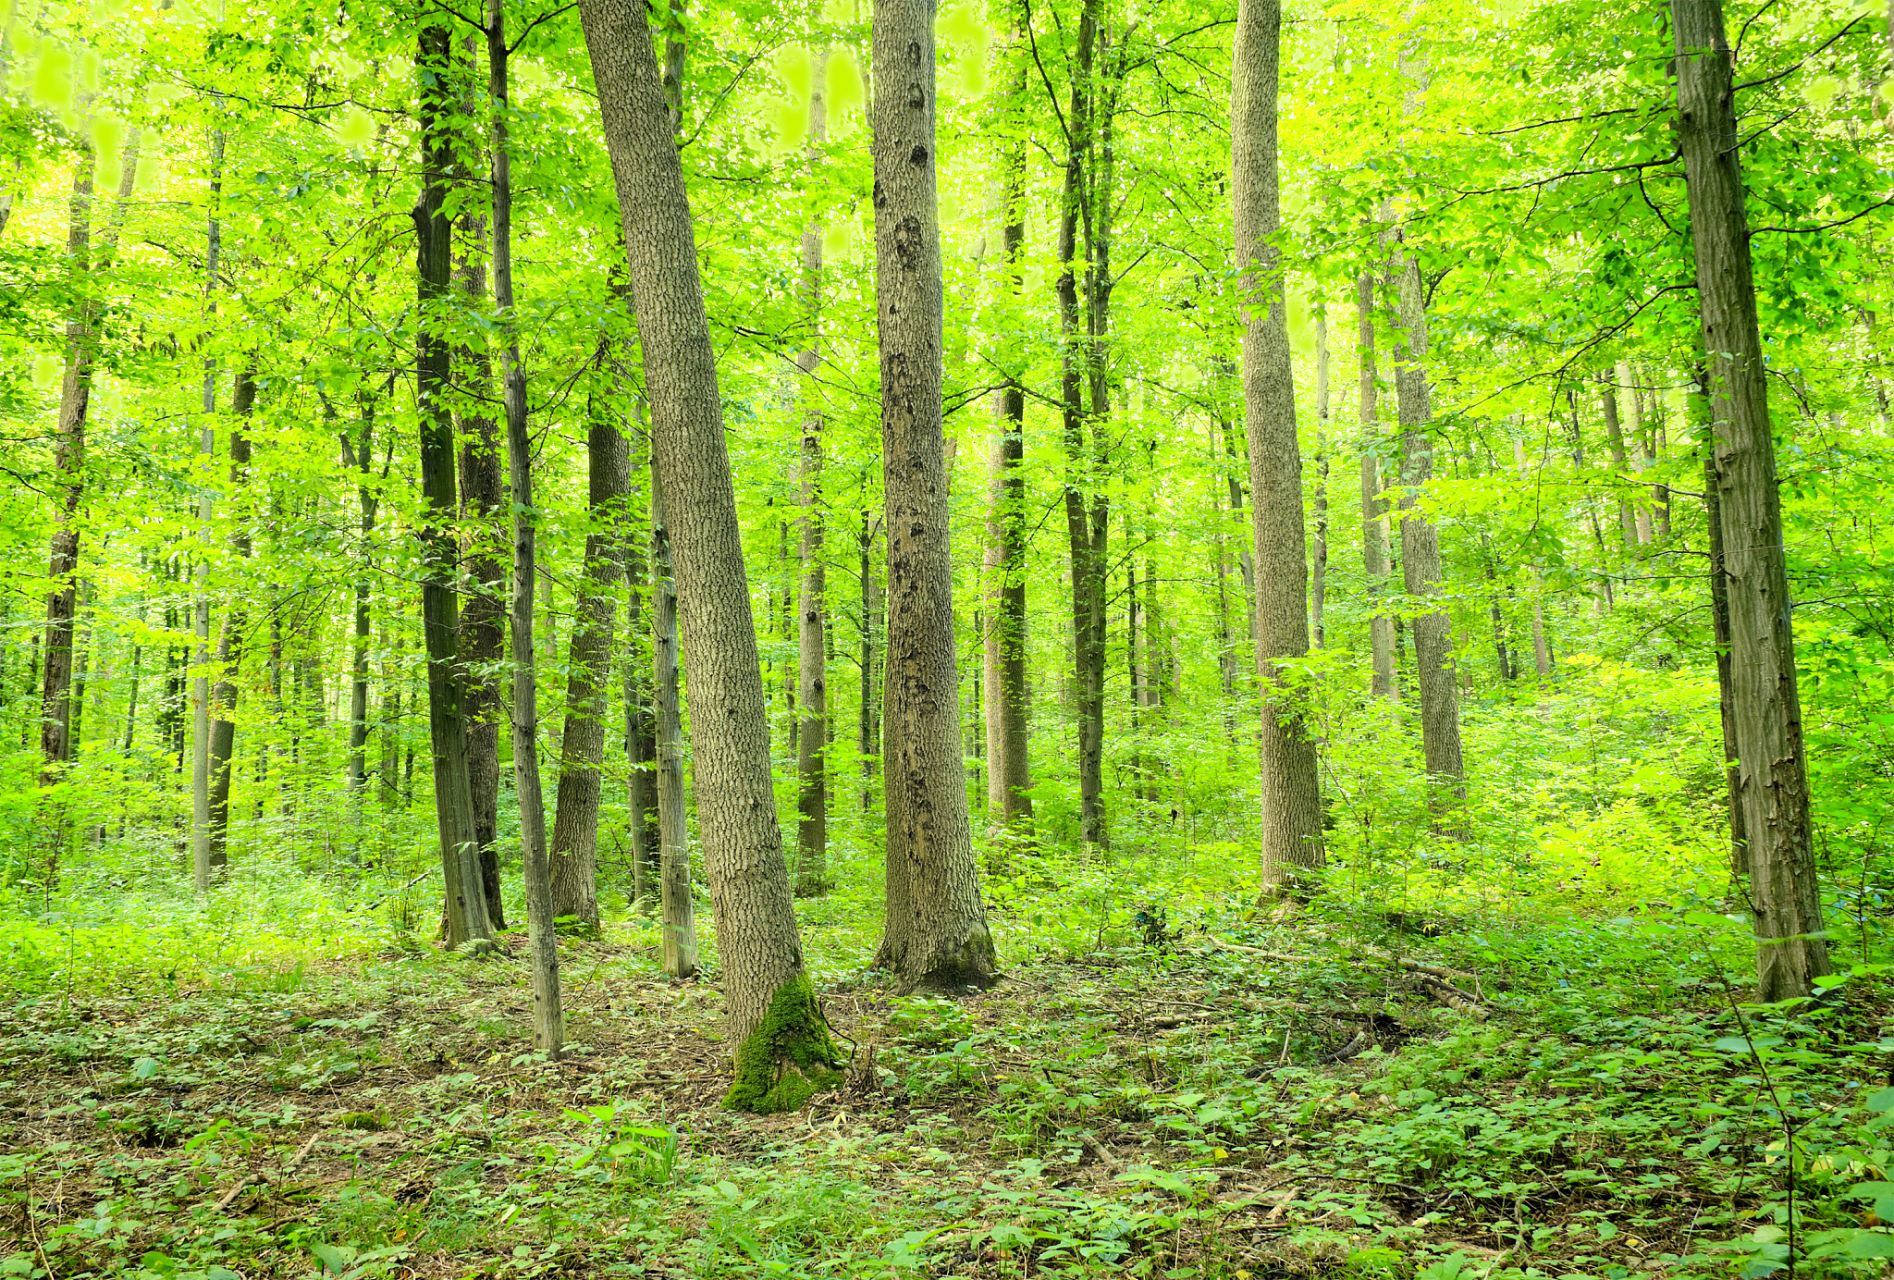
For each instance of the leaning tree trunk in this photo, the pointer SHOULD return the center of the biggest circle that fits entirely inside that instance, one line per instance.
(223, 729)
(1790, 950)
(467, 921)
(574, 849)
(1009, 770)
(812, 614)
(783, 1049)
(549, 1026)
(1374, 510)
(1291, 834)
(937, 936)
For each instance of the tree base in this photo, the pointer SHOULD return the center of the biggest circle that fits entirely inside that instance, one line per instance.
(788, 1059)
(949, 971)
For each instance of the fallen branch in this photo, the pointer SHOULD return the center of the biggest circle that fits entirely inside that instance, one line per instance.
(224, 1201)
(1284, 957)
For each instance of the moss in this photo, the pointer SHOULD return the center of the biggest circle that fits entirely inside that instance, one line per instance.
(788, 1058)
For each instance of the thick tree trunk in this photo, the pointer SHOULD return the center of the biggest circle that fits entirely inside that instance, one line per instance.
(1291, 832)
(812, 735)
(1374, 509)
(549, 1024)
(574, 849)
(1420, 559)
(223, 729)
(678, 919)
(482, 635)
(759, 944)
(467, 922)
(937, 937)
(1783, 890)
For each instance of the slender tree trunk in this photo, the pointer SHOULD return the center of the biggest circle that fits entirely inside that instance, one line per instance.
(201, 864)
(679, 913)
(549, 1024)
(223, 729)
(812, 736)
(641, 742)
(1641, 452)
(870, 720)
(1318, 593)
(1291, 832)
(1614, 438)
(937, 936)
(1374, 510)
(582, 747)
(1420, 558)
(1725, 670)
(759, 943)
(467, 921)
(1009, 771)
(1790, 949)
(482, 636)
(359, 458)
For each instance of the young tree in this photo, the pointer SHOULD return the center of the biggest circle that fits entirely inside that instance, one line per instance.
(1374, 509)
(1291, 790)
(223, 729)
(1790, 949)
(936, 934)
(783, 1050)
(812, 786)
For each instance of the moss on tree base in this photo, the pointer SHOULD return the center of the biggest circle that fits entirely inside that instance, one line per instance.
(789, 1058)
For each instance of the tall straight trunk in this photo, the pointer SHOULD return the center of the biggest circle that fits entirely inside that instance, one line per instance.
(1291, 831)
(759, 943)
(1009, 771)
(1374, 510)
(812, 735)
(1226, 647)
(1601, 580)
(1778, 833)
(482, 636)
(1614, 438)
(1725, 669)
(1420, 558)
(359, 458)
(1640, 447)
(1318, 591)
(1087, 508)
(467, 922)
(936, 932)
(641, 742)
(549, 1024)
(869, 726)
(678, 950)
(574, 850)
(223, 729)
(201, 865)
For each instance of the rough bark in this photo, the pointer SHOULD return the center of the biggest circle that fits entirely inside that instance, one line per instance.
(678, 912)
(574, 849)
(467, 922)
(812, 736)
(641, 742)
(758, 939)
(936, 936)
(1291, 832)
(549, 1026)
(1725, 673)
(1420, 559)
(1784, 894)
(1374, 510)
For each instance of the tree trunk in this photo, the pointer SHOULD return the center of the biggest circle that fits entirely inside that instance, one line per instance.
(359, 458)
(870, 720)
(1720, 636)
(1009, 771)
(1790, 951)
(678, 912)
(201, 865)
(812, 736)
(641, 743)
(1291, 832)
(1318, 591)
(223, 729)
(937, 937)
(1374, 510)
(1614, 438)
(758, 940)
(1420, 560)
(549, 1023)
(1640, 449)
(467, 922)
(582, 747)
(482, 636)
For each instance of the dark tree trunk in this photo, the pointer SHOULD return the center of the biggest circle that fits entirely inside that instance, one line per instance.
(223, 729)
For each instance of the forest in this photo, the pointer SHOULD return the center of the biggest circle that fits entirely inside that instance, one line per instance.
(921, 638)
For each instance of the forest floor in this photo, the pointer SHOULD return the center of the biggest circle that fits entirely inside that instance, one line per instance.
(1305, 1106)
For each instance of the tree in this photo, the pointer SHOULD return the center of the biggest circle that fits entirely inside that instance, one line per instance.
(1291, 837)
(223, 729)
(783, 1050)
(936, 934)
(812, 785)
(1790, 949)
(1374, 514)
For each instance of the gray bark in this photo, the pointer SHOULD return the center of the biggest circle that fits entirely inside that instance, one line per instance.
(1374, 510)
(812, 737)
